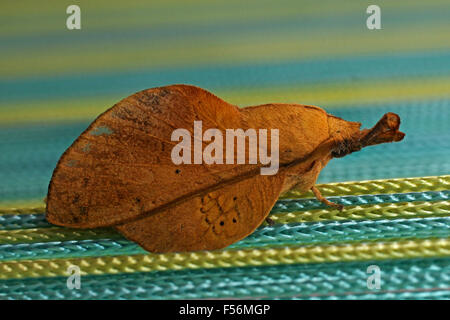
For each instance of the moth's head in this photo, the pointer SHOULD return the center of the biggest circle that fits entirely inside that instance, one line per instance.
(349, 138)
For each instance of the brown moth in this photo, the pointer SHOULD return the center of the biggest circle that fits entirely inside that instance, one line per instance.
(119, 171)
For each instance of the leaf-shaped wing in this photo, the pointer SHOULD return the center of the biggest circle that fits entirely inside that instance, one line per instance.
(211, 221)
(121, 165)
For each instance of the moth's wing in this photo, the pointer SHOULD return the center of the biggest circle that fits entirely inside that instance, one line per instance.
(121, 166)
(212, 221)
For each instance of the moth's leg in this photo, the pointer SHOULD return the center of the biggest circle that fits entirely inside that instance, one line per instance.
(322, 199)
(269, 221)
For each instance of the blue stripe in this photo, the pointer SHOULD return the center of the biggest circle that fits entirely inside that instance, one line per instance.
(121, 84)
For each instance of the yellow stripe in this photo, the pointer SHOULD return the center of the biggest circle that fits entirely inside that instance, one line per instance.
(228, 258)
(403, 210)
(54, 234)
(63, 110)
(329, 95)
(24, 209)
(22, 206)
(380, 186)
(266, 46)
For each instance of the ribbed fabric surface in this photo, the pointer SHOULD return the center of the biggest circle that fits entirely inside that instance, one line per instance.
(54, 82)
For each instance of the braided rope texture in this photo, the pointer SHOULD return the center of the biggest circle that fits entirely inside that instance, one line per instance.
(313, 281)
(403, 185)
(332, 232)
(228, 258)
(311, 252)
